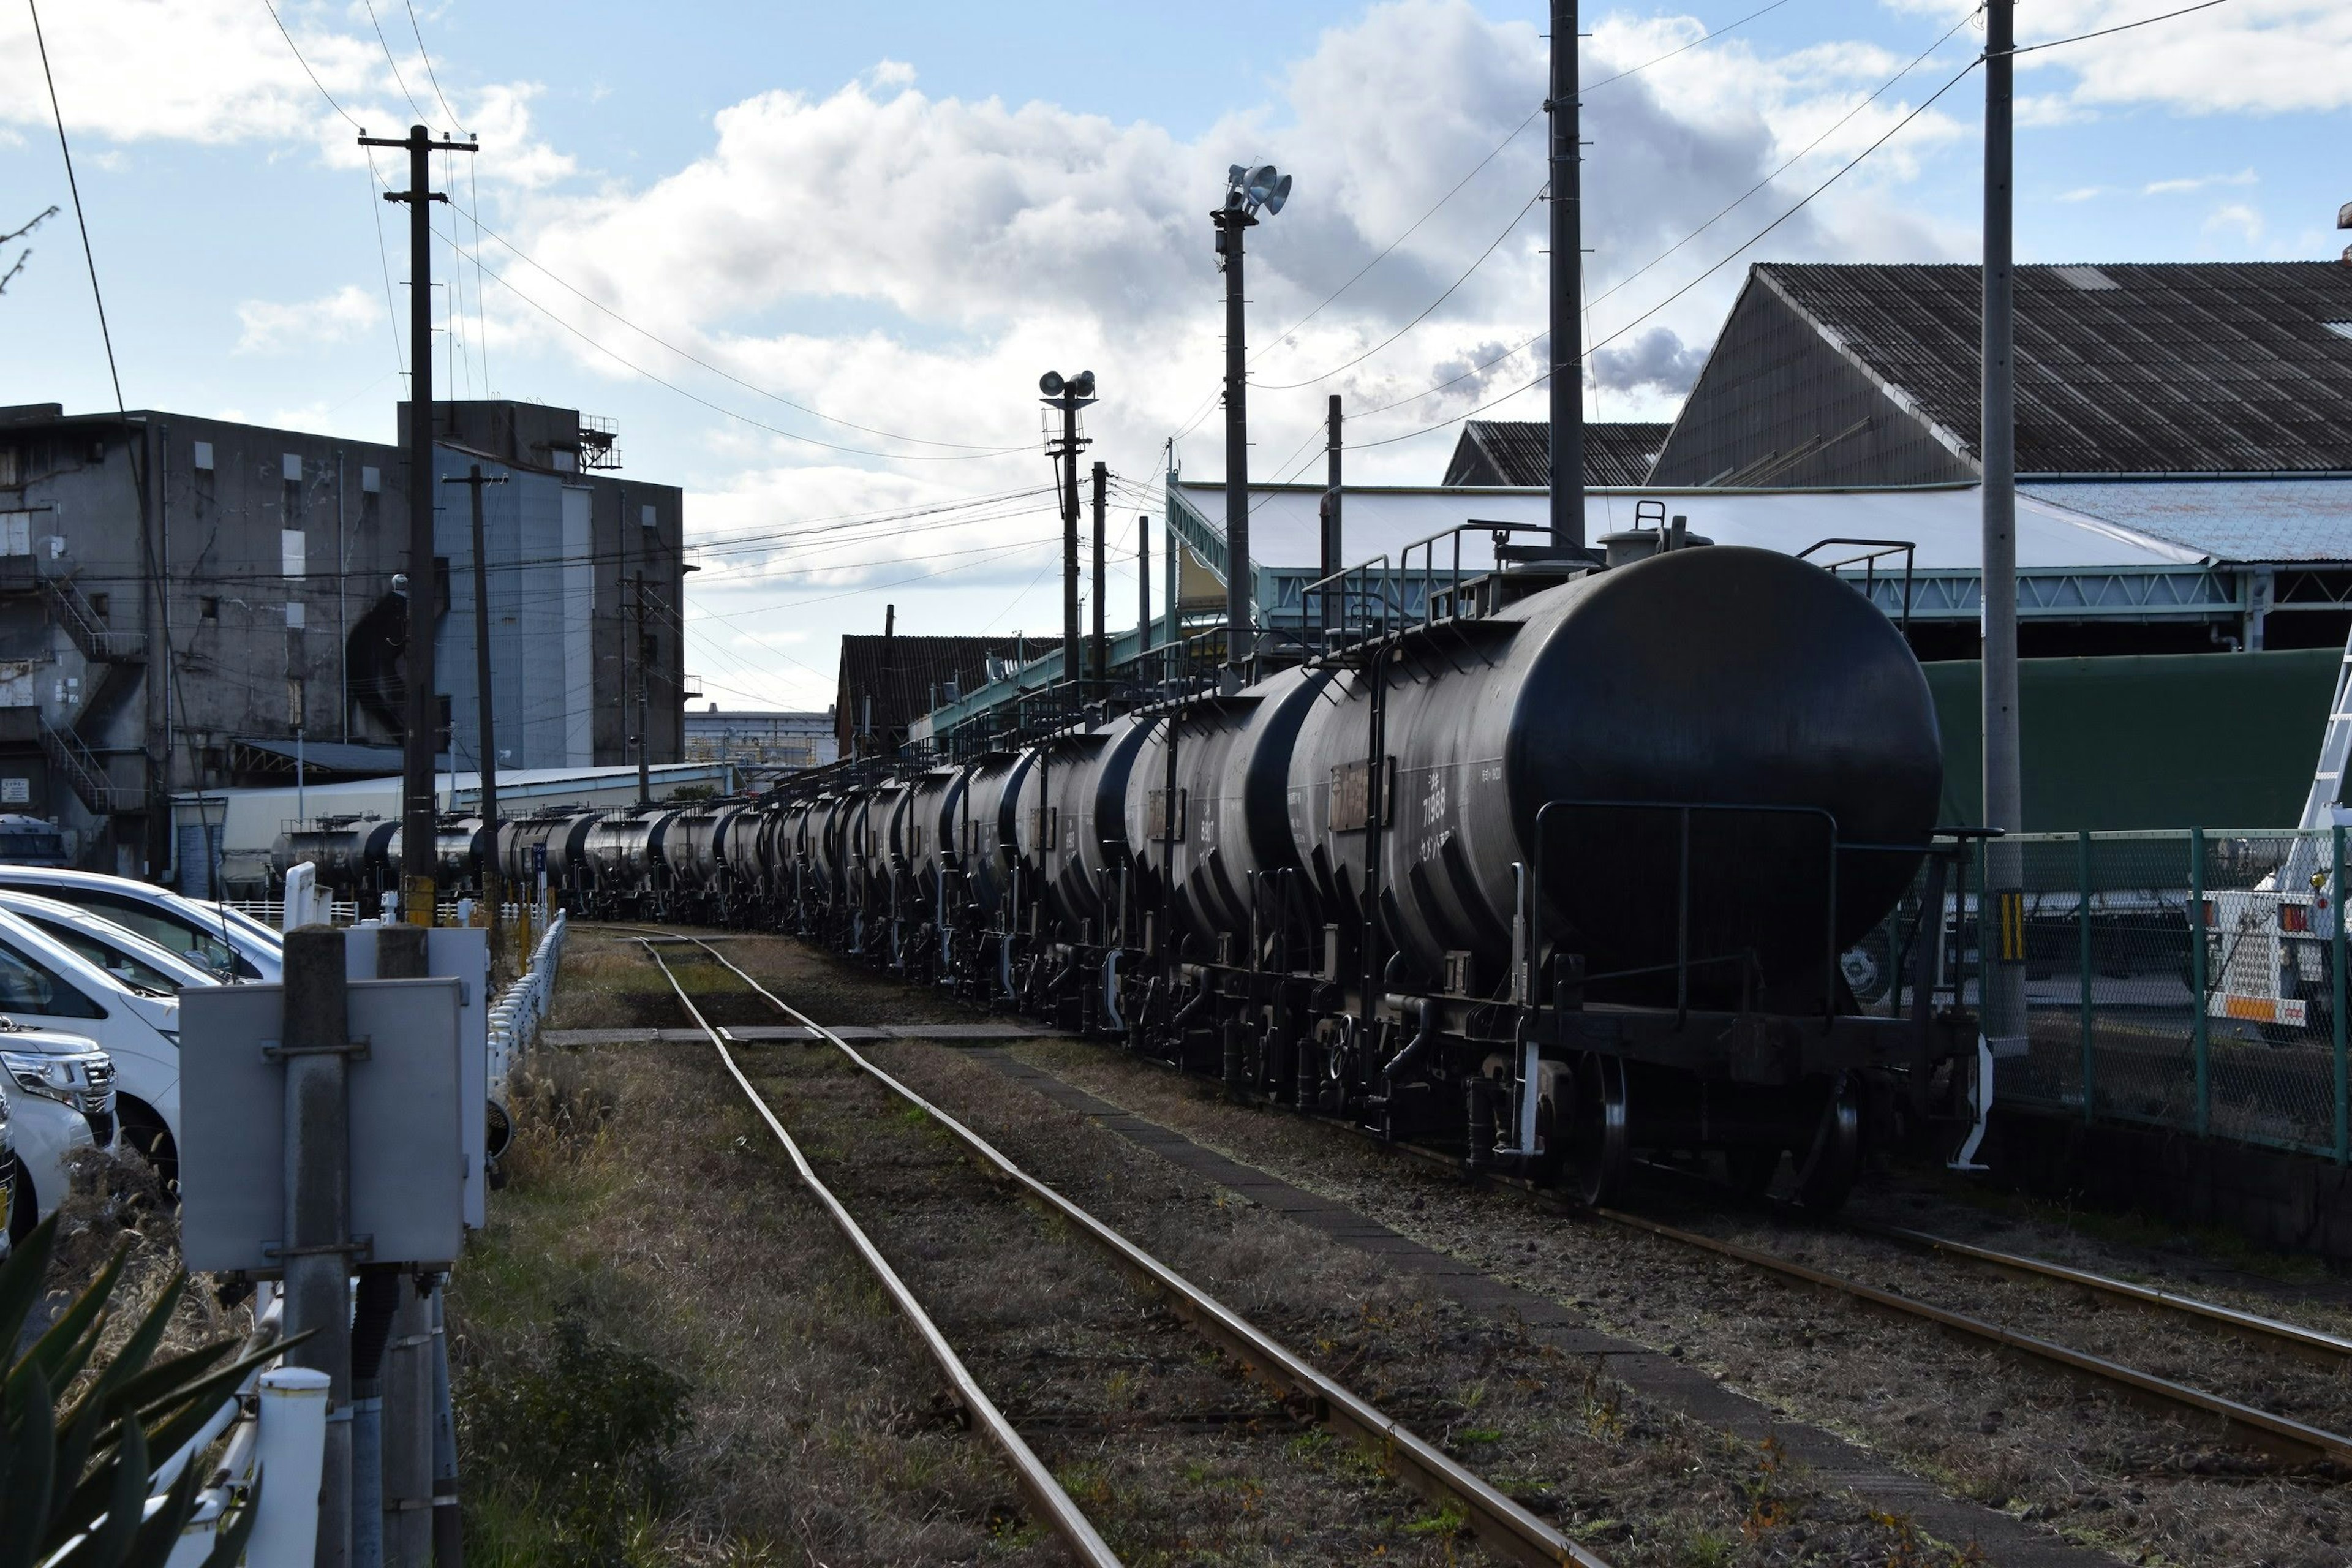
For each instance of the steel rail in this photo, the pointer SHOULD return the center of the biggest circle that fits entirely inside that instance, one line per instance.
(1503, 1527)
(2278, 1434)
(2314, 1345)
(2270, 1333)
(1053, 1505)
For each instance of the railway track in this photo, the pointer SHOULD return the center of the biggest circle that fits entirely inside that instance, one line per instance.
(1507, 1530)
(2244, 1422)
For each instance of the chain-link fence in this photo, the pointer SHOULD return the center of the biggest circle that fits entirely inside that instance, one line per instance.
(2129, 1016)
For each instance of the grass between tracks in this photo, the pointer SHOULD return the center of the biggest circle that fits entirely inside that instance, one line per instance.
(662, 1355)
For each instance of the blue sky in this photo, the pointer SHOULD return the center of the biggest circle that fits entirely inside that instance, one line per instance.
(898, 215)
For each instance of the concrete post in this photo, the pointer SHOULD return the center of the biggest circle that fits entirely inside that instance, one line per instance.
(407, 1359)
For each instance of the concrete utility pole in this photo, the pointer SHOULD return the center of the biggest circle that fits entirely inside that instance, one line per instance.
(1143, 585)
(2004, 790)
(1334, 538)
(1068, 394)
(485, 729)
(1232, 221)
(419, 816)
(644, 760)
(317, 1261)
(1100, 656)
(1567, 288)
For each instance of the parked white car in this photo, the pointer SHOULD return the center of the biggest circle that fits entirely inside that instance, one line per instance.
(46, 985)
(115, 948)
(61, 1095)
(211, 936)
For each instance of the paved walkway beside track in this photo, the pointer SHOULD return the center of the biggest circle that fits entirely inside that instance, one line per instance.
(2004, 1540)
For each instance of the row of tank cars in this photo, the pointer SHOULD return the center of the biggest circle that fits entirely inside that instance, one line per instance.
(91, 970)
(1558, 868)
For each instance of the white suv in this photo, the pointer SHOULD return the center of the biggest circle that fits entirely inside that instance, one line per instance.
(48, 986)
(61, 1095)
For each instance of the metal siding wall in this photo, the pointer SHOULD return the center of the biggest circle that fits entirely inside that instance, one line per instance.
(2153, 741)
(579, 600)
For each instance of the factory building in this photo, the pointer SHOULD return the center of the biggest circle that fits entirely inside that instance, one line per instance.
(888, 683)
(192, 604)
(761, 741)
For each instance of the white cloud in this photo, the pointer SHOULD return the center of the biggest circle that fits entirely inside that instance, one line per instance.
(271, 327)
(2236, 217)
(2199, 183)
(2251, 57)
(2085, 193)
(219, 72)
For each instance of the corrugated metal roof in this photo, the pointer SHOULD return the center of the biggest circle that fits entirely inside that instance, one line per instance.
(900, 673)
(1518, 452)
(2225, 520)
(2143, 368)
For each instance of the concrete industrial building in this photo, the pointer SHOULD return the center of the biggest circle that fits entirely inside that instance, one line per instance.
(760, 739)
(180, 597)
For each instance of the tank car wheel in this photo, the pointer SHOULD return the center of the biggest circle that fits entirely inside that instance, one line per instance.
(1598, 1154)
(1836, 1159)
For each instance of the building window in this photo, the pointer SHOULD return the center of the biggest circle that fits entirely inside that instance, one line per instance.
(295, 616)
(215, 762)
(293, 546)
(371, 480)
(291, 466)
(15, 533)
(646, 517)
(208, 608)
(204, 459)
(97, 604)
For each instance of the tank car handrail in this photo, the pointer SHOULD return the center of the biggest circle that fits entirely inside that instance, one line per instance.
(1868, 561)
(1683, 961)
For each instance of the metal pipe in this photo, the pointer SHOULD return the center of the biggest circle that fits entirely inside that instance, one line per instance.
(318, 1207)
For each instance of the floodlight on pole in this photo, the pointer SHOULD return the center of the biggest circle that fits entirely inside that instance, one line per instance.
(1247, 191)
(1068, 394)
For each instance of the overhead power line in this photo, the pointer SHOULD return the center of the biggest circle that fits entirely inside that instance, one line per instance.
(426, 56)
(386, 45)
(1725, 260)
(2118, 27)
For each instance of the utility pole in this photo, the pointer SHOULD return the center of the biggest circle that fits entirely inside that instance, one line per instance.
(1143, 585)
(644, 760)
(1332, 558)
(2004, 792)
(419, 815)
(1567, 288)
(485, 731)
(1068, 394)
(1100, 654)
(1233, 221)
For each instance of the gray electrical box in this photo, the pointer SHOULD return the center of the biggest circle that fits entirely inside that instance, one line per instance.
(415, 1123)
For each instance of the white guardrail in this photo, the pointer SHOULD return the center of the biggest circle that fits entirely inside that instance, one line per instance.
(516, 1016)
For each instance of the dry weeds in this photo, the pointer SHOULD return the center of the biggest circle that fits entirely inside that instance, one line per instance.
(642, 1203)
(1639, 1483)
